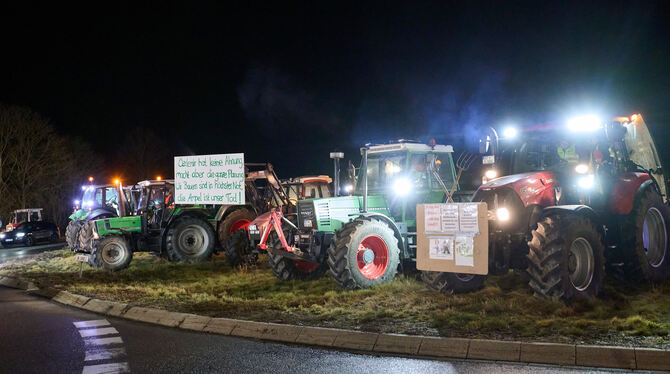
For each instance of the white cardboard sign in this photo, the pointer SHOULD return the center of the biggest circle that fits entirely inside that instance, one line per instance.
(209, 179)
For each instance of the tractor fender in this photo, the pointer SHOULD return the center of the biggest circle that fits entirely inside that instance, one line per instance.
(626, 188)
(225, 210)
(582, 210)
(100, 214)
(394, 226)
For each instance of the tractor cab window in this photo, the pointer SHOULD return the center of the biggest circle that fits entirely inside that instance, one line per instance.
(444, 170)
(34, 216)
(112, 198)
(20, 217)
(642, 150)
(418, 171)
(92, 197)
(383, 168)
(534, 156)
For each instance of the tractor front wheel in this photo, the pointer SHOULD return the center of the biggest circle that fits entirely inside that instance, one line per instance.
(111, 253)
(364, 253)
(237, 220)
(238, 250)
(646, 254)
(566, 258)
(72, 234)
(86, 236)
(190, 239)
(449, 283)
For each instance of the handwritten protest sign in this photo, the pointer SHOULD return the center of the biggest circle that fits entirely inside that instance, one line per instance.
(209, 179)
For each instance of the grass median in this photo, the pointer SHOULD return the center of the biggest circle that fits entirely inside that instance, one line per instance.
(504, 309)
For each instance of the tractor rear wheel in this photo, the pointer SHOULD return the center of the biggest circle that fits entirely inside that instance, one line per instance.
(72, 234)
(237, 220)
(449, 283)
(287, 269)
(190, 239)
(646, 254)
(566, 258)
(364, 253)
(238, 250)
(86, 236)
(111, 253)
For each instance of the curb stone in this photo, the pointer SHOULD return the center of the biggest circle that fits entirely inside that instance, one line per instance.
(424, 346)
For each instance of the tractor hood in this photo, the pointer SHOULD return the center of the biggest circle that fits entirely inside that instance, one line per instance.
(532, 188)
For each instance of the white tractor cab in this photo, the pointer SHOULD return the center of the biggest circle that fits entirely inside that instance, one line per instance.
(24, 215)
(308, 187)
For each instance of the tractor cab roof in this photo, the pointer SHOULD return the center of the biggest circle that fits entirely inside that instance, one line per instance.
(155, 182)
(310, 179)
(406, 145)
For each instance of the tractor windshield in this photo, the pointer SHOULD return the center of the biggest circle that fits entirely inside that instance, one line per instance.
(383, 167)
(641, 148)
(20, 217)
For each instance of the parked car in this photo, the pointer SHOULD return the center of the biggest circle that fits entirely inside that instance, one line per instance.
(29, 233)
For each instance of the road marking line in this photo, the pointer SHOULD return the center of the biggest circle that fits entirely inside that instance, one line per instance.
(121, 367)
(94, 323)
(104, 341)
(97, 332)
(104, 354)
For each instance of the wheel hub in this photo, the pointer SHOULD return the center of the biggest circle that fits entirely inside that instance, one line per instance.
(581, 264)
(368, 256)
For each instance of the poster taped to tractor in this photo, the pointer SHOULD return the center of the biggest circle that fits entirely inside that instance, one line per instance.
(209, 179)
(452, 237)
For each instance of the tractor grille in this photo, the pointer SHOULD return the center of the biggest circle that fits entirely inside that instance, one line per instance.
(323, 213)
(504, 197)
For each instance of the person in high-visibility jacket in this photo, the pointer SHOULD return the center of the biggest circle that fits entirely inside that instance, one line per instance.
(567, 152)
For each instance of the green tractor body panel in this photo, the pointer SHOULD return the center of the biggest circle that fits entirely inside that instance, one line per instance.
(118, 225)
(333, 212)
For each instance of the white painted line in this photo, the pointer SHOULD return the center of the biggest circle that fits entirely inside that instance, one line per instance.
(97, 322)
(104, 354)
(104, 341)
(121, 367)
(97, 332)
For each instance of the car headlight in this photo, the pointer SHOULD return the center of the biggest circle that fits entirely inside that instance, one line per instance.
(402, 186)
(502, 214)
(2, 236)
(20, 234)
(582, 168)
(586, 181)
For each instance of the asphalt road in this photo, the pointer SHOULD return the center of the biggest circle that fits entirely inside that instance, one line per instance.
(40, 336)
(13, 253)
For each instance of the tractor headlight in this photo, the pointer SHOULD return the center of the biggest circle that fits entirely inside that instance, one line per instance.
(584, 123)
(402, 186)
(348, 188)
(490, 174)
(582, 168)
(586, 182)
(502, 214)
(20, 234)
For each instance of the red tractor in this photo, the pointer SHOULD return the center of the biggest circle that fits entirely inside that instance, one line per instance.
(572, 199)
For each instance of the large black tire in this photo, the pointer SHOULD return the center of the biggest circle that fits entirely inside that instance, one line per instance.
(238, 249)
(72, 234)
(377, 261)
(566, 258)
(233, 222)
(449, 283)
(111, 253)
(86, 237)
(190, 239)
(645, 239)
(286, 269)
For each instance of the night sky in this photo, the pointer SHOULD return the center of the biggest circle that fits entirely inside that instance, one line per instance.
(290, 83)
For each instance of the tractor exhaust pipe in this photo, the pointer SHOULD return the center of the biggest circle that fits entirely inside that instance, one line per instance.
(336, 156)
(364, 167)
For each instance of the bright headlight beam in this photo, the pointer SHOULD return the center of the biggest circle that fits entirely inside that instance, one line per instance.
(503, 214)
(402, 186)
(586, 182)
(490, 174)
(584, 123)
(510, 132)
(582, 168)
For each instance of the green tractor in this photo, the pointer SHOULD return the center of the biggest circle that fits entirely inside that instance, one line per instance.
(96, 202)
(364, 238)
(182, 233)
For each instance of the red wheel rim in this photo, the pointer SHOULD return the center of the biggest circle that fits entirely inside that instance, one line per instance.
(372, 257)
(306, 267)
(239, 224)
